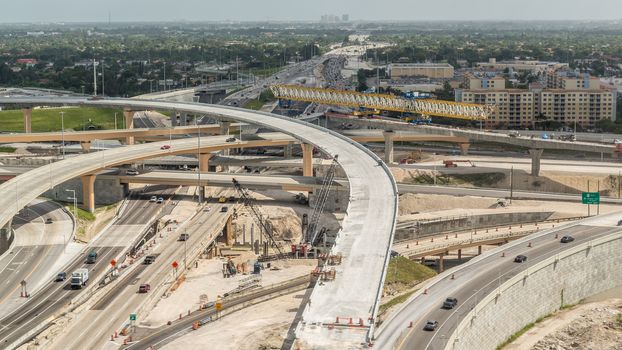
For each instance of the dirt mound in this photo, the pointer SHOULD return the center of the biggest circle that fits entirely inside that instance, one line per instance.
(598, 328)
(287, 226)
(411, 203)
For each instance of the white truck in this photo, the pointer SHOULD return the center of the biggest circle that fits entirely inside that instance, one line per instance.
(79, 278)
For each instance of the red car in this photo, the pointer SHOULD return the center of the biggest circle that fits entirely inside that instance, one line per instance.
(144, 288)
(165, 147)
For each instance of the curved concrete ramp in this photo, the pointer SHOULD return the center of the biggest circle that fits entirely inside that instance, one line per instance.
(364, 240)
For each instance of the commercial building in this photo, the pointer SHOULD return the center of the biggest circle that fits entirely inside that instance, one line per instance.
(429, 70)
(533, 66)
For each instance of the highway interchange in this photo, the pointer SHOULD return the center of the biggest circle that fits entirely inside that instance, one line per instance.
(371, 217)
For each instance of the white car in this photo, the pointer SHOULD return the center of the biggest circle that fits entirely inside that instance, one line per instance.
(160, 200)
(132, 172)
(153, 199)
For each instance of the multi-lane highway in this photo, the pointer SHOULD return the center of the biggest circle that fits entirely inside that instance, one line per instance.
(111, 312)
(37, 248)
(55, 297)
(371, 217)
(475, 279)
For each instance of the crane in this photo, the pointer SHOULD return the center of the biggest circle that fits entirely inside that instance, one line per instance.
(263, 227)
(313, 234)
(449, 109)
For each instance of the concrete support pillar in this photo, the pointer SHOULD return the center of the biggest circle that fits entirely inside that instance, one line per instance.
(459, 254)
(183, 119)
(388, 146)
(229, 231)
(464, 148)
(27, 113)
(224, 128)
(441, 265)
(288, 151)
(128, 114)
(204, 161)
(86, 146)
(174, 119)
(307, 159)
(479, 250)
(535, 154)
(88, 192)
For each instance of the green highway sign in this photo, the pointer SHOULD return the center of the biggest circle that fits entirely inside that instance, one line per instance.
(590, 198)
(132, 317)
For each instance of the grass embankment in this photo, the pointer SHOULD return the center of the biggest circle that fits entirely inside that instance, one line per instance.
(477, 180)
(7, 149)
(49, 119)
(256, 104)
(522, 331)
(84, 220)
(402, 275)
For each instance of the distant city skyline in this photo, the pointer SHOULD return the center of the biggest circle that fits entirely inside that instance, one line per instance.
(285, 10)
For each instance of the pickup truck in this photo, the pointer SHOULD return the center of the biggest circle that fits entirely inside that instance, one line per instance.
(79, 278)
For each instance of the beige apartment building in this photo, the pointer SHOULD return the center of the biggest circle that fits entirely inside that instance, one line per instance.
(483, 82)
(521, 108)
(428, 70)
(515, 107)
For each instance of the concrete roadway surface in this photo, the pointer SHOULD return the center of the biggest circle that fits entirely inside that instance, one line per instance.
(473, 280)
(497, 193)
(109, 314)
(52, 299)
(166, 334)
(38, 249)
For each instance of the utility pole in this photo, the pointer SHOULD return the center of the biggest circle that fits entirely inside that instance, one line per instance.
(164, 75)
(62, 131)
(512, 183)
(588, 205)
(94, 78)
(103, 80)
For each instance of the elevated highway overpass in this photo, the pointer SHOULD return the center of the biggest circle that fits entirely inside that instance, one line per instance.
(371, 213)
(535, 145)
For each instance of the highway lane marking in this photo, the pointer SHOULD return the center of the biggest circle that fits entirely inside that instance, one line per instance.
(509, 272)
(52, 292)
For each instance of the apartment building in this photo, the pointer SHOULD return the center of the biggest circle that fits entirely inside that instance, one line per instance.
(428, 70)
(580, 100)
(483, 81)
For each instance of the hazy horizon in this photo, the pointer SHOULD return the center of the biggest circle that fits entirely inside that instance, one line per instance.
(45, 11)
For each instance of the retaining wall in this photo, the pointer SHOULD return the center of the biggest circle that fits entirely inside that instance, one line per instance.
(451, 224)
(567, 278)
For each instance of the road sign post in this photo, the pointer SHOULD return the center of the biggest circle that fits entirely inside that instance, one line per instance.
(175, 265)
(590, 198)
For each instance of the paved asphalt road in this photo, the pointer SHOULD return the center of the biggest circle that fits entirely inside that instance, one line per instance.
(36, 247)
(52, 299)
(472, 283)
(111, 312)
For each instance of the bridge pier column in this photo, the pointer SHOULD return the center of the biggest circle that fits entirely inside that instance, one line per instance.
(536, 154)
(459, 254)
(204, 161)
(388, 146)
(88, 192)
(27, 113)
(441, 264)
(288, 151)
(86, 146)
(229, 230)
(307, 159)
(128, 115)
(464, 148)
(479, 250)
(174, 119)
(183, 118)
(224, 130)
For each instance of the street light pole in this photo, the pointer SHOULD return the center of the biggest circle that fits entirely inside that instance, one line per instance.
(62, 131)
(185, 250)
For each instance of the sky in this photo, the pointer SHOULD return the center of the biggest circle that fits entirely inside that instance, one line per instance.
(13, 11)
